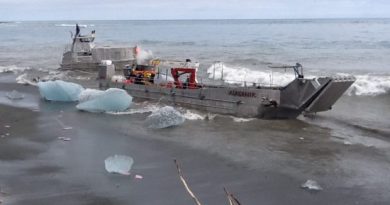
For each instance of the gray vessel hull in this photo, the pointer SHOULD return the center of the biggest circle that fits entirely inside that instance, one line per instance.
(301, 95)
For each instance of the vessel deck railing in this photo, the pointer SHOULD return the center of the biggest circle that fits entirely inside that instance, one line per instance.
(230, 84)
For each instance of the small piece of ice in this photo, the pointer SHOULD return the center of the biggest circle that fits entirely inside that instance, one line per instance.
(7, 134)
(301, 138)
(64, 139)
(67, 128)
(7, 126)
(15, 95)
(119, 164)
(137, 176)
(311, 185)
(347, 143)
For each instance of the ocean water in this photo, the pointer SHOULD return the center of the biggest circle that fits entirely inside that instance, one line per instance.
(346, 147)
(244, 48)
(346, 46)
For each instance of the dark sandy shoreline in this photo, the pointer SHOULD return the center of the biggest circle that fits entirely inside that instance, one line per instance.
(37, 168)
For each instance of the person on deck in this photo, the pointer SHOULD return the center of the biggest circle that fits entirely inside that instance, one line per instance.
(77, 30)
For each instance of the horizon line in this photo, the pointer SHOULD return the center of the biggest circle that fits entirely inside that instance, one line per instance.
(206, 19)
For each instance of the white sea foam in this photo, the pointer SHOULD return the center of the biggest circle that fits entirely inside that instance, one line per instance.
(370, 85)
(81, 77)
(189, 115)
(365, 85)
(13, 69)
(238, 119)
(150, 108)
(144, 109)
(241, 74)
(55, 75)
(23, 79)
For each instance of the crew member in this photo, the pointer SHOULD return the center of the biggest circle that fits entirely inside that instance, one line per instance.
(77, 30)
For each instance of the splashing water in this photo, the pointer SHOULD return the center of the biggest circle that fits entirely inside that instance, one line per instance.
(242, 74)
(13, 69)
(365, 85)
(143, 56)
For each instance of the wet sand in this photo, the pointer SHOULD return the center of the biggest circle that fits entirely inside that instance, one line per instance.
(38, 168)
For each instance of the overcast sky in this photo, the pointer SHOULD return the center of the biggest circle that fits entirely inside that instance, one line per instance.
(190, 9)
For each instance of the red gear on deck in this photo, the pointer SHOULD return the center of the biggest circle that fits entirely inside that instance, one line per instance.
(177, 72)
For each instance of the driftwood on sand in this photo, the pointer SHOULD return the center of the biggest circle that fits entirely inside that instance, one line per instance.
(231, 198)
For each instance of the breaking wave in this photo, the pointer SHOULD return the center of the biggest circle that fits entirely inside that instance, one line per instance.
(72, 25)
(150, 108)
(370, 85)
(143, 109)
(240, 75)
(13, 69)
(365, 85)
(189, 115)
(239, 119)
(23, 79)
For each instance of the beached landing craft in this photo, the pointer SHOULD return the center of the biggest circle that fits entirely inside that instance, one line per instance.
(302, 95)
(82, 54)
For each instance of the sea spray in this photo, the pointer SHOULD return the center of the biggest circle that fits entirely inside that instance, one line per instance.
(365, 85)
(143, 56)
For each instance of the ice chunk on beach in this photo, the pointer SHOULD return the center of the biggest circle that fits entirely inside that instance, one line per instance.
(111, 100)
(165, 117)
(60, 91)
(89, 94)
(119, 164)
(15, 95)
(311, 185)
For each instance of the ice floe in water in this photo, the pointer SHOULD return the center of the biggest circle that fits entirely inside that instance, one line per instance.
(165, 117)
(111, 100)
(60, 91)
(311, 185)
(15, 95)
(119, 164)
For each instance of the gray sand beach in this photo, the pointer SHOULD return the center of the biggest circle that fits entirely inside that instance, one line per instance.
(52, 153)
(259, 167)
